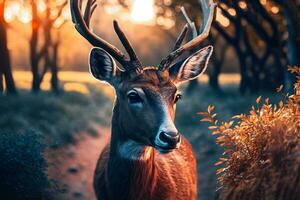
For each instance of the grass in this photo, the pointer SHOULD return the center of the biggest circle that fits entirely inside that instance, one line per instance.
(59, 118)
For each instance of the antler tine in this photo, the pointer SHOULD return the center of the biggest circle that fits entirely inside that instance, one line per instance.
(208, 15)
(82, 26)
(181, 37)
(132, 55)
(191, 24)
(89, 10)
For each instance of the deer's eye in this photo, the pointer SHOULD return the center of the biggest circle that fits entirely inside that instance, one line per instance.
(133, 97)
(177, 97)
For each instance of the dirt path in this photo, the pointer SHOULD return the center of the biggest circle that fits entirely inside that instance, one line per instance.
(72, 166)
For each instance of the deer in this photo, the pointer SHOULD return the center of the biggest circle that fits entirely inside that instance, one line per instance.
(147, 157)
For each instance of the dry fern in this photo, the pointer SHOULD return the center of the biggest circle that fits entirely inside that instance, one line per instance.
(261, 150)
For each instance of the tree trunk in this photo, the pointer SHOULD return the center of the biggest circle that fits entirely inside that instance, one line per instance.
(214, 78)
(9, 81)
(291, 12)
(34, 61)
(244, 83)
(214, 75)
(35, 56)
(1, 83)
(48, 43)
(51, 54)
(5, 67)
(54, 69)
(293, 26)
(217, 63)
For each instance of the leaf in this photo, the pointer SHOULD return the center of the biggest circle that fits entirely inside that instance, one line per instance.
(223, 159)
(275, 108)
(267, 100)
(236, 117)
(221, 138)
(258, 99)
(206, 120)
(294, 69)
(281, 104)
(219, 163)
(212, 127)
(210, 108)
(279, 89)
(216, 132)
(202, 113)
(219, 171)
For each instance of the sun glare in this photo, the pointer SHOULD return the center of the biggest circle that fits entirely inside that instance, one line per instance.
(142, 11)
(41, 6)
(11, 11)
(25, 15)
(275, 10)
(8, 15)
(224, 21)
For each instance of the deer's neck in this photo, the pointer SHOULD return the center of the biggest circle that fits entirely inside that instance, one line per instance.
(131, 165)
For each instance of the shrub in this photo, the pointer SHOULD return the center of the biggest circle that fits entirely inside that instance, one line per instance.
(261, 150)
(23, 167)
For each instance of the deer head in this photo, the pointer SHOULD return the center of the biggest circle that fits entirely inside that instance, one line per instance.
(146, 96)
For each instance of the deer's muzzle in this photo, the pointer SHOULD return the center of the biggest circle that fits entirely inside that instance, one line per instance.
(167, 141)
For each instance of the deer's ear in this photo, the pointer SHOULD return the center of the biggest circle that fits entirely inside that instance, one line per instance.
(192, 67)
(102, 65)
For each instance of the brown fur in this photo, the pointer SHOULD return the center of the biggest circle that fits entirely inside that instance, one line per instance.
(162, 176)
(152, 175)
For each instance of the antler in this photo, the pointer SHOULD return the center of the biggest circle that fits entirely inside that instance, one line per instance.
(181, 37)
(190, 23)
(82, 25)
(208, 15)
(134, 61)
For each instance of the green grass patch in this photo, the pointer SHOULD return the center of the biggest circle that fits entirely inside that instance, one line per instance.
(58, 117)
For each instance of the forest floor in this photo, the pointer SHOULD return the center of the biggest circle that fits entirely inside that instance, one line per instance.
(72, 171)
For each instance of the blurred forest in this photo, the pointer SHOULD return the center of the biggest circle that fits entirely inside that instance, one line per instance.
(256, 39)
(49, 101)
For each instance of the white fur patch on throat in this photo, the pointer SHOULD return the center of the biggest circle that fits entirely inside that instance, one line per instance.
(134, 151)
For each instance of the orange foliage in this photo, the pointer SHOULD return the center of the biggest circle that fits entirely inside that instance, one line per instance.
(261, 150)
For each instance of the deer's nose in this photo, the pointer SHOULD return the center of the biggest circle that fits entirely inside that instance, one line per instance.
(170, 138)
